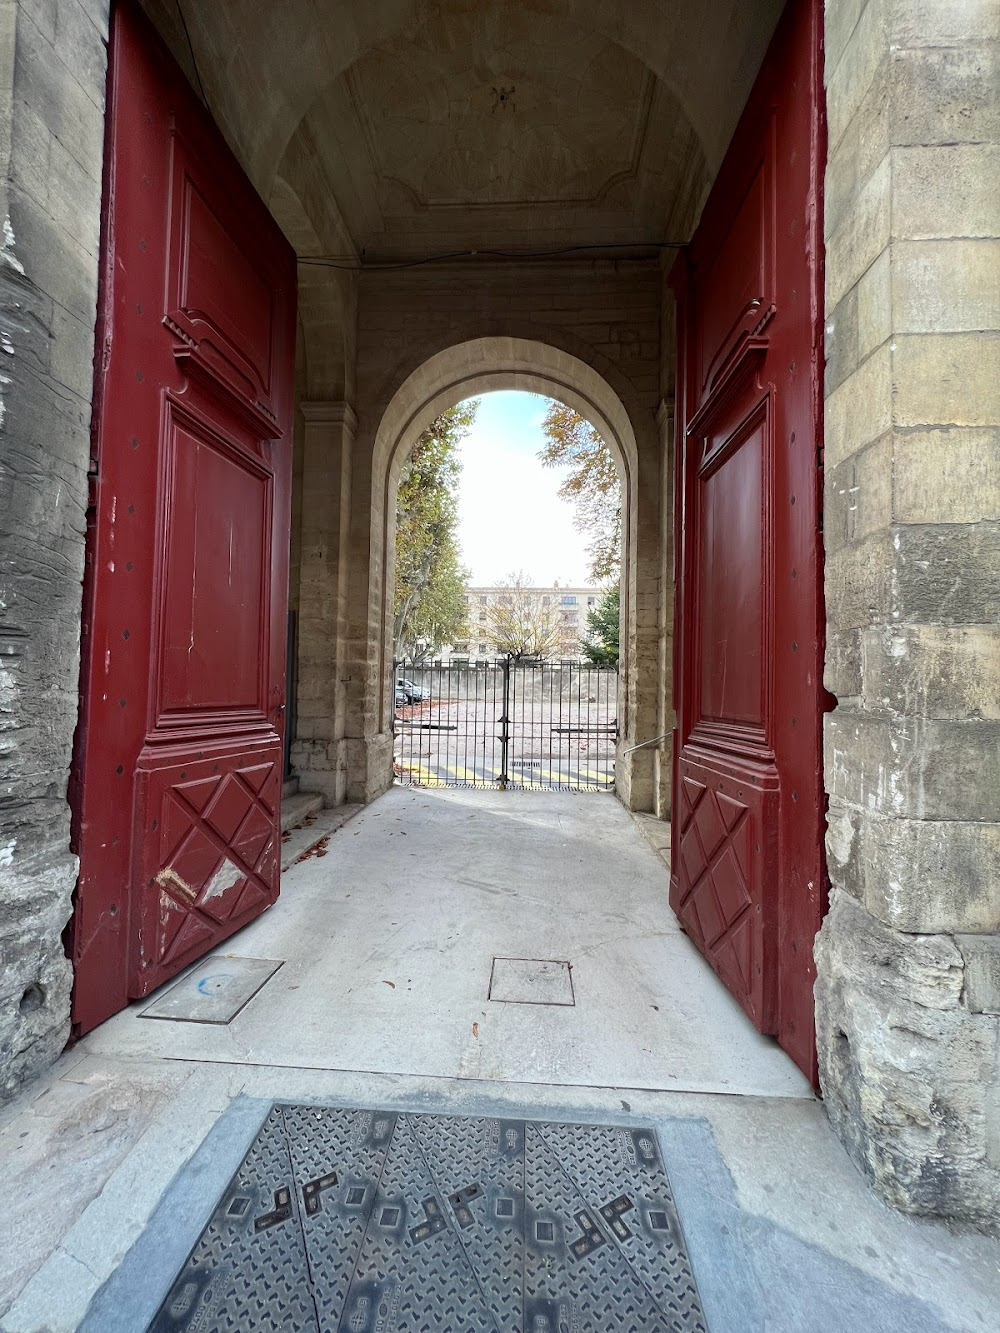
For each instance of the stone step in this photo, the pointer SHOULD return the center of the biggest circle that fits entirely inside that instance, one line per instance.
(296, 845)
(290, 787)
(296, 809)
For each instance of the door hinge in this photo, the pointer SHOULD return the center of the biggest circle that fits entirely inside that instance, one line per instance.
(93, 473)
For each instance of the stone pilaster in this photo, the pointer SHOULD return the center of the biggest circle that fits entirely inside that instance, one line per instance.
(663, 762)
(320, 752)
(906, 1007)
(53, 66)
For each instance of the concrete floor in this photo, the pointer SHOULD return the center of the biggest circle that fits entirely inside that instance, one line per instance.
(119, 1154)
(389, 943)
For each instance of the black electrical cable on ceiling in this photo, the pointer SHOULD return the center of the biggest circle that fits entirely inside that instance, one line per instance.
(194, 58)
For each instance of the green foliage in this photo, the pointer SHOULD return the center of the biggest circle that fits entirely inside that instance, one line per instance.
(429, 603)
(593, 485)
(601, 644)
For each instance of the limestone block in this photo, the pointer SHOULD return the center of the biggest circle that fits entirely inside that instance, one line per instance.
(59, 91)
(843, 847)
(904, 1067)
(842, 669)
(945, 286)
(35, 975)
(864, 53)
(949, 475)
(993, 1124)
(947, 573)
(860, 409)
(913, 768)
(858, 580)
(30, 165)
(63, 268)
(982, 972)
(841, 181)
(81, 37)
(946, 95)
(946, 191)
(863, 146)
(874, 305)
(841, 341)
(943, 22)
(929, 876)
(72, 357)
(941, 671)
(862, 235)
(947, 379)
(840, 20)
(858, 495)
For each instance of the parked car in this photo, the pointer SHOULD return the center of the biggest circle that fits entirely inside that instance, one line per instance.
(415, 694)
(402, 698)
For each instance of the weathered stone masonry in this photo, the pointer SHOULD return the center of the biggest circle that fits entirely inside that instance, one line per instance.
(603, 315)
(908, 995)
(909, 957)
(53, 62)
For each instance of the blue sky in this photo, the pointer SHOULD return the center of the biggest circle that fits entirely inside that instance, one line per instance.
(511, 518)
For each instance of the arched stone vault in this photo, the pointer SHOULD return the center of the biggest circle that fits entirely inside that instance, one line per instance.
(704, 56)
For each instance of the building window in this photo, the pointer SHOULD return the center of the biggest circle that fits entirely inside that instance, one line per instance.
(569, 601)
(482, 616)
(591, 601)
(482, 601)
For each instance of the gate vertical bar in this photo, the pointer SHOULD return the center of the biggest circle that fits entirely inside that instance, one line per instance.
(505, 725)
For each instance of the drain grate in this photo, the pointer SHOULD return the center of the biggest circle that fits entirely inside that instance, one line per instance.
(377, 1222)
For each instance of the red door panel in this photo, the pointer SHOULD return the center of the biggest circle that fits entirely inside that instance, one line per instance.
(747, 877)
(178, 763)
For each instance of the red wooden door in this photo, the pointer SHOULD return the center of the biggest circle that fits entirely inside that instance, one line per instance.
(178, 766)
(747, 875)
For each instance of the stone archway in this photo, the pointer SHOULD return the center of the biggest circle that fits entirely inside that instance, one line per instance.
(465, 370)
(344, 748)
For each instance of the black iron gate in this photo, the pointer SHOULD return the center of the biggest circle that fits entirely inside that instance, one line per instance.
(541, 726)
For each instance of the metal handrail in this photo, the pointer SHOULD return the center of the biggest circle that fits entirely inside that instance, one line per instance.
(642, 744)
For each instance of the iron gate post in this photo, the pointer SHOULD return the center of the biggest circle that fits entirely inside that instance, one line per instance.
(505, 725)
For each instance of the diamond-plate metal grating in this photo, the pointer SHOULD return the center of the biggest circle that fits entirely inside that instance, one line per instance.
(348, 1221)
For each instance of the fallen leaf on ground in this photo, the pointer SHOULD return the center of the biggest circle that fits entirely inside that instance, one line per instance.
(389, 983)
(318, 850)
(475, 1029)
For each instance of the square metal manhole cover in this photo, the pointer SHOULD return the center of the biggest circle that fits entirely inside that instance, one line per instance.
(531, 981)
(215, 991)
(382, 1222)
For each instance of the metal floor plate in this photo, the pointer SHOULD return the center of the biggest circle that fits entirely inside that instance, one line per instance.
(346, 1221)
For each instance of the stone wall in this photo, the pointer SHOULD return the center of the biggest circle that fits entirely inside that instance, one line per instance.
(603, 314)
(908, 994)
(666, 718)
(53, 58)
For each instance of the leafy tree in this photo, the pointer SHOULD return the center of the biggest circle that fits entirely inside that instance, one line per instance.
(429, 604)
(593, 486)
(519, 624)
(601, 644)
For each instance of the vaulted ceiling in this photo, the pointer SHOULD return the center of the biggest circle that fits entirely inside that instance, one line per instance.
(409, 128)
